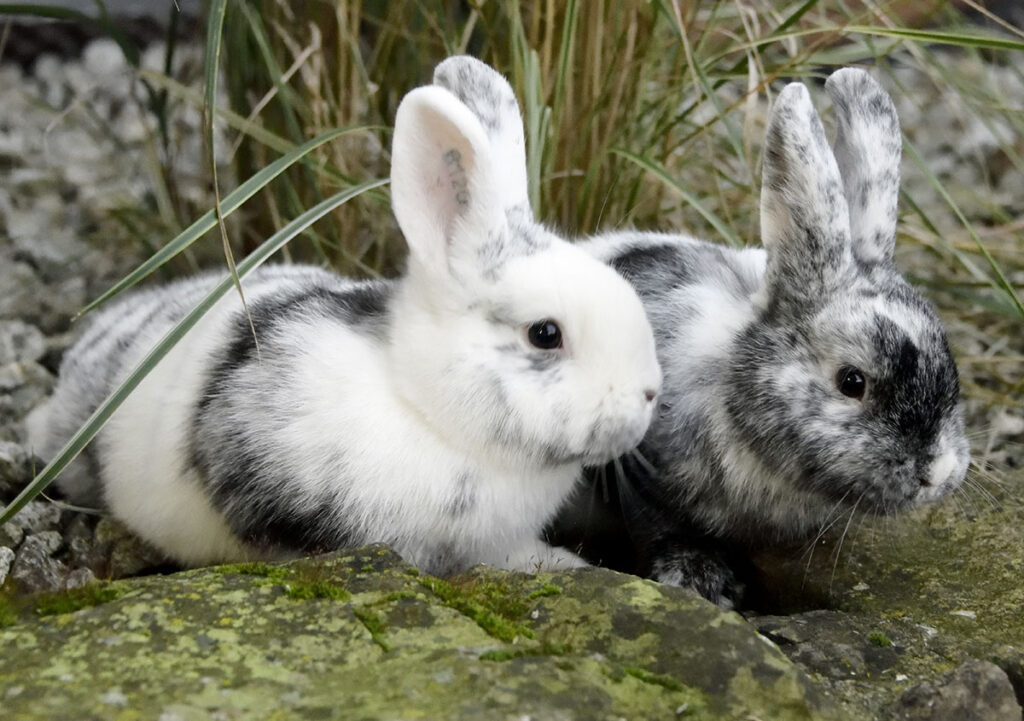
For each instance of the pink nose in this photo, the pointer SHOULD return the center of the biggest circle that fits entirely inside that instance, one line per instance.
(650, 395)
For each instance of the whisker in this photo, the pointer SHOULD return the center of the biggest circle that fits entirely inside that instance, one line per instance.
(644, 463)
(831, 518)
(978, 487)
(842, 539)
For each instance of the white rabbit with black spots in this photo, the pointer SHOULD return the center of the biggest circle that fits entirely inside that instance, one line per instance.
(802, 380)
(447, 413)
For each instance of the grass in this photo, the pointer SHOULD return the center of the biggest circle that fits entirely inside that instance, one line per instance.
(638, 113)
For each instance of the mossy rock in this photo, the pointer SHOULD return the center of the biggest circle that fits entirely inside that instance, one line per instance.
(905, 601)
(362, 635)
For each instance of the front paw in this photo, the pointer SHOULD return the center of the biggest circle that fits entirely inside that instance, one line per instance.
(706, 572)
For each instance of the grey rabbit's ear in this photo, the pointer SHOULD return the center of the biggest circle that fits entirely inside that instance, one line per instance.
(805, 224)
(868, 148)
(489, 97)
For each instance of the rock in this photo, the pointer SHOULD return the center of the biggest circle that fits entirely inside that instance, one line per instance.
(34, 567)
(23, 386)
(37, 517)
(11, 535)
(15, 467)
(80, 537)
(21, 289)
(6, 559)
(20, 342)
(362, 630)
(120, 553)
(79, 577)
(903, 601)
(1011, 660)
(976, 691)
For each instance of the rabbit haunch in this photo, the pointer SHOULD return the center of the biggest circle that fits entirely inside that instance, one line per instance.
(415, 412)
(755, 439)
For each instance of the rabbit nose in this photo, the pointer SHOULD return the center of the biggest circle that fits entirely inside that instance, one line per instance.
(650, 395)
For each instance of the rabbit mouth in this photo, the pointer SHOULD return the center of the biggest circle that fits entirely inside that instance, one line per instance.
(607, 444)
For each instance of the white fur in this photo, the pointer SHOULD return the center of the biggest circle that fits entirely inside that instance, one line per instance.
(437, 403)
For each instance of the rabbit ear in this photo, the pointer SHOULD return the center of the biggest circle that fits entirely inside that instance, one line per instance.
(443, 187)
(804, 217)
(490, 98)
(868, 148)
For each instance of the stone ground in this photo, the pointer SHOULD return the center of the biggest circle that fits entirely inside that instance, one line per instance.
(912, 618)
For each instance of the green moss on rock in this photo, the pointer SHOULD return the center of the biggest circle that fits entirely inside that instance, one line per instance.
(493, 606)
(230, 643)
(75, 599)
(878, 638)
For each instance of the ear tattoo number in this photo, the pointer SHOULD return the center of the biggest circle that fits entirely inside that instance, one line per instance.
(457, 176)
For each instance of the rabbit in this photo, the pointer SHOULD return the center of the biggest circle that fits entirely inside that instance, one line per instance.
(447, 413)
(803, 381)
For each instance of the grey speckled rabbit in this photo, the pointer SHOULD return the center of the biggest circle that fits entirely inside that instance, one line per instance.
(801, 381)
(447, 413)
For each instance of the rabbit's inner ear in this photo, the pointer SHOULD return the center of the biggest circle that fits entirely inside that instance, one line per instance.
(441, 182)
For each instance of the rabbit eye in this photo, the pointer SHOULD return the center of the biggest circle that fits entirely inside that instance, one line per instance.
(545, 334)
(850, 382)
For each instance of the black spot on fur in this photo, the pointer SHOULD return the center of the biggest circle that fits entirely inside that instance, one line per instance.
(240, 467)
(667, 262)
(464, 499)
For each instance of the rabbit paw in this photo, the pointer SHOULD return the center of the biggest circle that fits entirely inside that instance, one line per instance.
(706, 572)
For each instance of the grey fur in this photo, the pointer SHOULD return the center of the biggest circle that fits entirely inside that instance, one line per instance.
(475, 89)
(753, 443)
(868, 127)
(519, 237)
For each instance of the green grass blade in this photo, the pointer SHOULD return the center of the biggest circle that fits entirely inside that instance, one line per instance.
(230, 204)
(959, 39)
(790, 21)
(658, 170)
(214, 33)
(1001, 284)
(95, 422)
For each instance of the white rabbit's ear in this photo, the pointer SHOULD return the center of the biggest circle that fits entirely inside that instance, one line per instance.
(443, 188)
(804, 217)
(488, 95)
(868, 148)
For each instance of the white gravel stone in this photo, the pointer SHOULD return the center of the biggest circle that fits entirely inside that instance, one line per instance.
(6, 560)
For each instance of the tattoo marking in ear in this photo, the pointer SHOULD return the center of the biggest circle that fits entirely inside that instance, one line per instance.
(457, 175)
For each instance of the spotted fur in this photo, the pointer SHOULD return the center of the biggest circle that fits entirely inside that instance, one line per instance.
(412, 412)
(753, 443)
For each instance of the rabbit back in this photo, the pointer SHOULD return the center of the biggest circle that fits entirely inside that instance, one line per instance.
(227, 451)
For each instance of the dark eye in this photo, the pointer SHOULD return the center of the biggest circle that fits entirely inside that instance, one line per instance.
(545, 334)
(850, 382)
